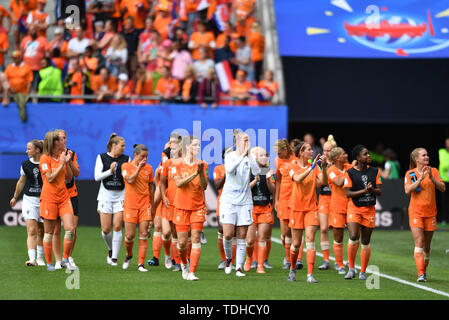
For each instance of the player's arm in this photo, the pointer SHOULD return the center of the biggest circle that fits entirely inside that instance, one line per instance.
(19, 187)
(180, 182)
(322, 179)
(219, 183)
(99, 174)
(162, 188)
(74, 168)
(277, 189)
(254, 182)
(271, 182)
(152, 202)
(131, 178)
(438, 183)
(203, 179)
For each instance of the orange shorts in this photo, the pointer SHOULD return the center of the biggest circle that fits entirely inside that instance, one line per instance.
(187, 217)
(263, 214)
(337, 220)
(366, 219)
(51, 211)
(167, 214)
(136, 215)
(303, 219)
(425, 223)
(324, 203)
(283, 211)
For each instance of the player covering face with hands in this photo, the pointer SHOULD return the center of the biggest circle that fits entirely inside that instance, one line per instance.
(236, 203)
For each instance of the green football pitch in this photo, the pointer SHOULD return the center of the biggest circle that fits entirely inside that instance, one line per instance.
(392, 254)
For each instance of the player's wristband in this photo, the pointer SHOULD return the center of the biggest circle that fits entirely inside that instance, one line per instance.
(313, 166)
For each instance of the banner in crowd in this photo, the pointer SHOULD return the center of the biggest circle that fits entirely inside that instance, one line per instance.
(89, 126)
(391, 207)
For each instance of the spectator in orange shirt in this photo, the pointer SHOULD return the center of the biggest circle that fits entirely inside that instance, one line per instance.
(268, 87)
(188, 21)
(19, 11)
(39, 18)
(58, 42)
(228, 31)
(167, 87)
(244, 11)
(162, 21)
(33, 48)
(240, 88)
(103, 85)
(19, 77)
(88, 62)
(5, 13)
(201, 38)
(144, 84)
(4, 47)
(123, 90)
(74, 83)
(257, 44)
(138, 9)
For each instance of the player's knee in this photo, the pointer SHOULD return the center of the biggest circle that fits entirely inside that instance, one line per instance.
(166, 235)
(419, 243)
(32, 231)
(106, 230)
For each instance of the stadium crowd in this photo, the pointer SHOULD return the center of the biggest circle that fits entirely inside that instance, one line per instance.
(176, 51)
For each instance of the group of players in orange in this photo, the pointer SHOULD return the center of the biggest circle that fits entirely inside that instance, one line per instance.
(174, 205)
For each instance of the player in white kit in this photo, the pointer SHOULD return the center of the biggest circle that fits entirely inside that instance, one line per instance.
(111, 194)
(236, 203)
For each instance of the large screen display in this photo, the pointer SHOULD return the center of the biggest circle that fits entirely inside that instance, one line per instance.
(363, 28)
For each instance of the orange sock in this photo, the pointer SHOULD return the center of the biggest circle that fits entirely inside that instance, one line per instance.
(129, 248)
(157, 244)
(364, 257)
(267, 252)
(311, 255)
(220, 247)
(167, 245)
(293, 256)
(419, 260)
(68, 244)
(143, 246)
(234, 249)
(287, 247)
(338, 252)
(301, 250)
(188, 248)
(261, 253)
(249, 252)
(353, 247)
(48, 250)
(195, 256)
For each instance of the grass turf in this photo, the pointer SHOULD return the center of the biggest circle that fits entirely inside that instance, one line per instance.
(392, 252)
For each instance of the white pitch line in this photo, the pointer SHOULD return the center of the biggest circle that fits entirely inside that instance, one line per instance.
(442, 293)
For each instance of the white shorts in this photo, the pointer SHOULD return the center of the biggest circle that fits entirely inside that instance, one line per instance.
(238, 215)
(30, 211)
(110, 207)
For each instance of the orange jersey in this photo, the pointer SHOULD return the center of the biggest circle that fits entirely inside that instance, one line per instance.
(161, 25)
(168, 170)
(33, 51)
(191, 195)
(135, 9)
(220, 42)
(423, 202)
(18, 10)
(56, 191)
(167, 86)
(137, 194)
(4, 44)
(243, 7)
(202, 39)
(238, 88)
(303, 197)
(219, 173)
(19, 77)
(282, 171)
(352, 208)
(257, 44)
(339, 201)
(97, 83)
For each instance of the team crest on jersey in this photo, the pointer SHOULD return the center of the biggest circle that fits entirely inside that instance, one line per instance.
(44, 166)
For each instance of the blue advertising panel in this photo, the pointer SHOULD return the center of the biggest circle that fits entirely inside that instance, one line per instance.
(88, 129)
(363, 28)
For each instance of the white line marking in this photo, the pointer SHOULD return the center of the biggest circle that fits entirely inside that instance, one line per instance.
(442, 293)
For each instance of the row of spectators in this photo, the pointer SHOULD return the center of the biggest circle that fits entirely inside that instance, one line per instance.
(159, 48)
